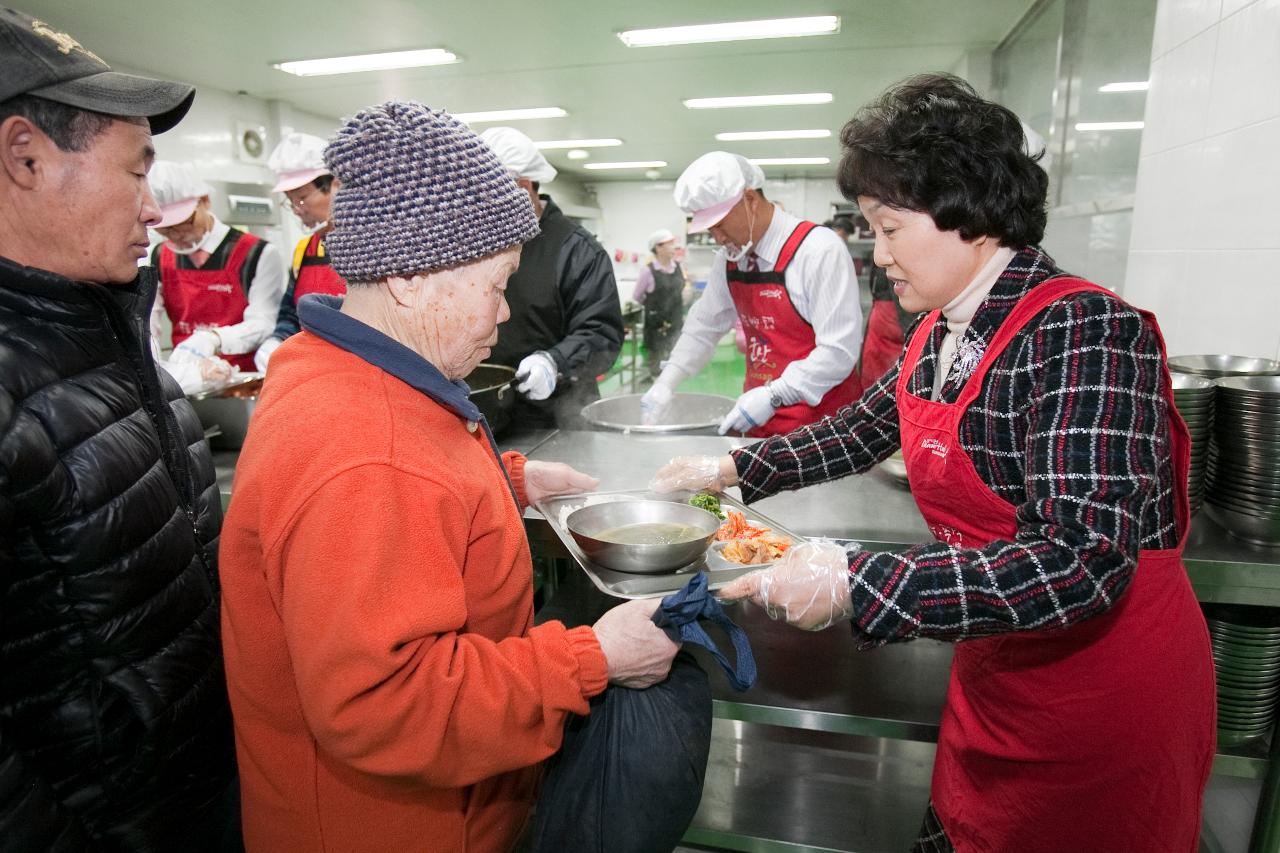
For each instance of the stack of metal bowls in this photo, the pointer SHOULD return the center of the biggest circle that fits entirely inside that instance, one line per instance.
(1218, 366)
(1194, 397)
(1246, 655)
(1243, 489)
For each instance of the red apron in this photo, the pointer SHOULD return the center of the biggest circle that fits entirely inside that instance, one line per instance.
(1097, 738)
(883, 342)
(206, 298)
(313, 273)
(777, 335)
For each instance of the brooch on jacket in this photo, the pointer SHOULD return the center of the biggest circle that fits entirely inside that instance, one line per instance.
(968, 356)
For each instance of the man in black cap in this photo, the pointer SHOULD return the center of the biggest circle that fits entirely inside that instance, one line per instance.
(114, 727)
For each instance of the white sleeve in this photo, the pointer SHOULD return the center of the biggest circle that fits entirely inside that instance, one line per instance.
(157, 320)
(828, 291)
(259, 321)
(709, 318)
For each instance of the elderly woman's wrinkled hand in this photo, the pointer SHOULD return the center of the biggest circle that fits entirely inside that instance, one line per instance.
(695, 473)
(639, 652)
(808, 587)
(548, 479)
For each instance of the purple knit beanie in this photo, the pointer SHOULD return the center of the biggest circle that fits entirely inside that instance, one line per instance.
(419, 192)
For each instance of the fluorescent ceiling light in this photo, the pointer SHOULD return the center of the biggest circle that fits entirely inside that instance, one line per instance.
(747, 135)
(820, 25)
(758, 101)
(633, 164)
(1136, 86)
(790, 161)
(1109, 125)
(511, 115)
(367, 62)
(577, 154)
(577, 143)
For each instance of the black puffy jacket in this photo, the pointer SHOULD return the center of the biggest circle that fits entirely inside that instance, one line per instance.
(114, 726)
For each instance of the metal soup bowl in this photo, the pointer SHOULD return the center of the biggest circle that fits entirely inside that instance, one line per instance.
(586, 524)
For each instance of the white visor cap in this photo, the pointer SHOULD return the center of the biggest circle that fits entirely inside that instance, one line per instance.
(297, 160)
(177, 190)
(713, 184)
(518, 153)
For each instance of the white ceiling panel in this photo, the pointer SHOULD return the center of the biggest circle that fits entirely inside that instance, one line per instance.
(552, 53)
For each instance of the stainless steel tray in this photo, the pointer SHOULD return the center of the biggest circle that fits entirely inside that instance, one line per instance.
(626, 585)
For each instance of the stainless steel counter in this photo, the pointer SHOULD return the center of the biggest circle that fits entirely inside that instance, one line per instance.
(878, 512)
(818, 687)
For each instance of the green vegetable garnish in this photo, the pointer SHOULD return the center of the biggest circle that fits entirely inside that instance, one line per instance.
(710, 503)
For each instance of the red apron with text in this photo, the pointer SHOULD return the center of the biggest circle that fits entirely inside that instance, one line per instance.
(313, 273)
(206, 298)
(777, 335)
(882, 344)
(1096, 738)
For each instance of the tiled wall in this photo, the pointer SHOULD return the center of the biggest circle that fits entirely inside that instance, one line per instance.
(1205, 250)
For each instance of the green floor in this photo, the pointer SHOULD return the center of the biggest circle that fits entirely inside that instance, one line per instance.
(723, 375)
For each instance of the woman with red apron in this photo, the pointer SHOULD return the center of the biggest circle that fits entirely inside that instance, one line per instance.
(1036, 418)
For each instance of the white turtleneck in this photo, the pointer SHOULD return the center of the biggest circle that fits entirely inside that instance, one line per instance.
(959, 312)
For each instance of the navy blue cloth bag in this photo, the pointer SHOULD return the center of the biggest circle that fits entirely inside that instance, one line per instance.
(628, 777)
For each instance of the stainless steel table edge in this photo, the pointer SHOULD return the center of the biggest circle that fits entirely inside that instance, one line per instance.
(727, 840)
(824, 721)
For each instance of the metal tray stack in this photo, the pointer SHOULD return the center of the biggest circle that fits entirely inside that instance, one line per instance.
(626, 585)
(1246, 655)
(1243, 490)
(1194, 396)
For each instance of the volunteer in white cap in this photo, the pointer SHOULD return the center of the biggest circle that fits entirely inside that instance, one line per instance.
(660, 288)
(792, 284)
(219, 286)
(566, 318)
(302, 176)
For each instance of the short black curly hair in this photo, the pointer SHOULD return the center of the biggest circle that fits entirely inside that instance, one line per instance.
(930, 143)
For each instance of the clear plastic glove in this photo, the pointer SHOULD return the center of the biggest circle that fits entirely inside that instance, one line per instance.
(639, 652)
(263, 355)
(695, 474)
(214, 373)
(548, 479)
(202, 344)
(537, 375)
(808, 587)
(752, 410)
(655, 403)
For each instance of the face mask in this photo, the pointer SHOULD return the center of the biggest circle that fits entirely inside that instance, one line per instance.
(182, 250)
(737, 253)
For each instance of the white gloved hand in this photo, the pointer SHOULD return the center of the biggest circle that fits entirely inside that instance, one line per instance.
(214, 373)
(537, 375)
(202, 344)
(808, 587)
(639, 652)
(548, 479)
(655, 403)
(263, 355)
(753, 409)
(695, 474)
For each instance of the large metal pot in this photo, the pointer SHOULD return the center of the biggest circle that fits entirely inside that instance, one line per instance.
(224, 413)
(493, 390)
(688, 413)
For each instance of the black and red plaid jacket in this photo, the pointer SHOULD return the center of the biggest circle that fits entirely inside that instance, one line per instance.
(1071, 427)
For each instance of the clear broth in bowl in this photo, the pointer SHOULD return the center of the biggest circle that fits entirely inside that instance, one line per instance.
(650, 533)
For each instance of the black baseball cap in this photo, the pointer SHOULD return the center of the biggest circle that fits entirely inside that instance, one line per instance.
(36, 59)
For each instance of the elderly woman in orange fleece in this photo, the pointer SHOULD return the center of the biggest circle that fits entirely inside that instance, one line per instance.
(389, 688)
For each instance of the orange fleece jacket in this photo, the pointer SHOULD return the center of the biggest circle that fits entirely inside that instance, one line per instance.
(390, 691)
